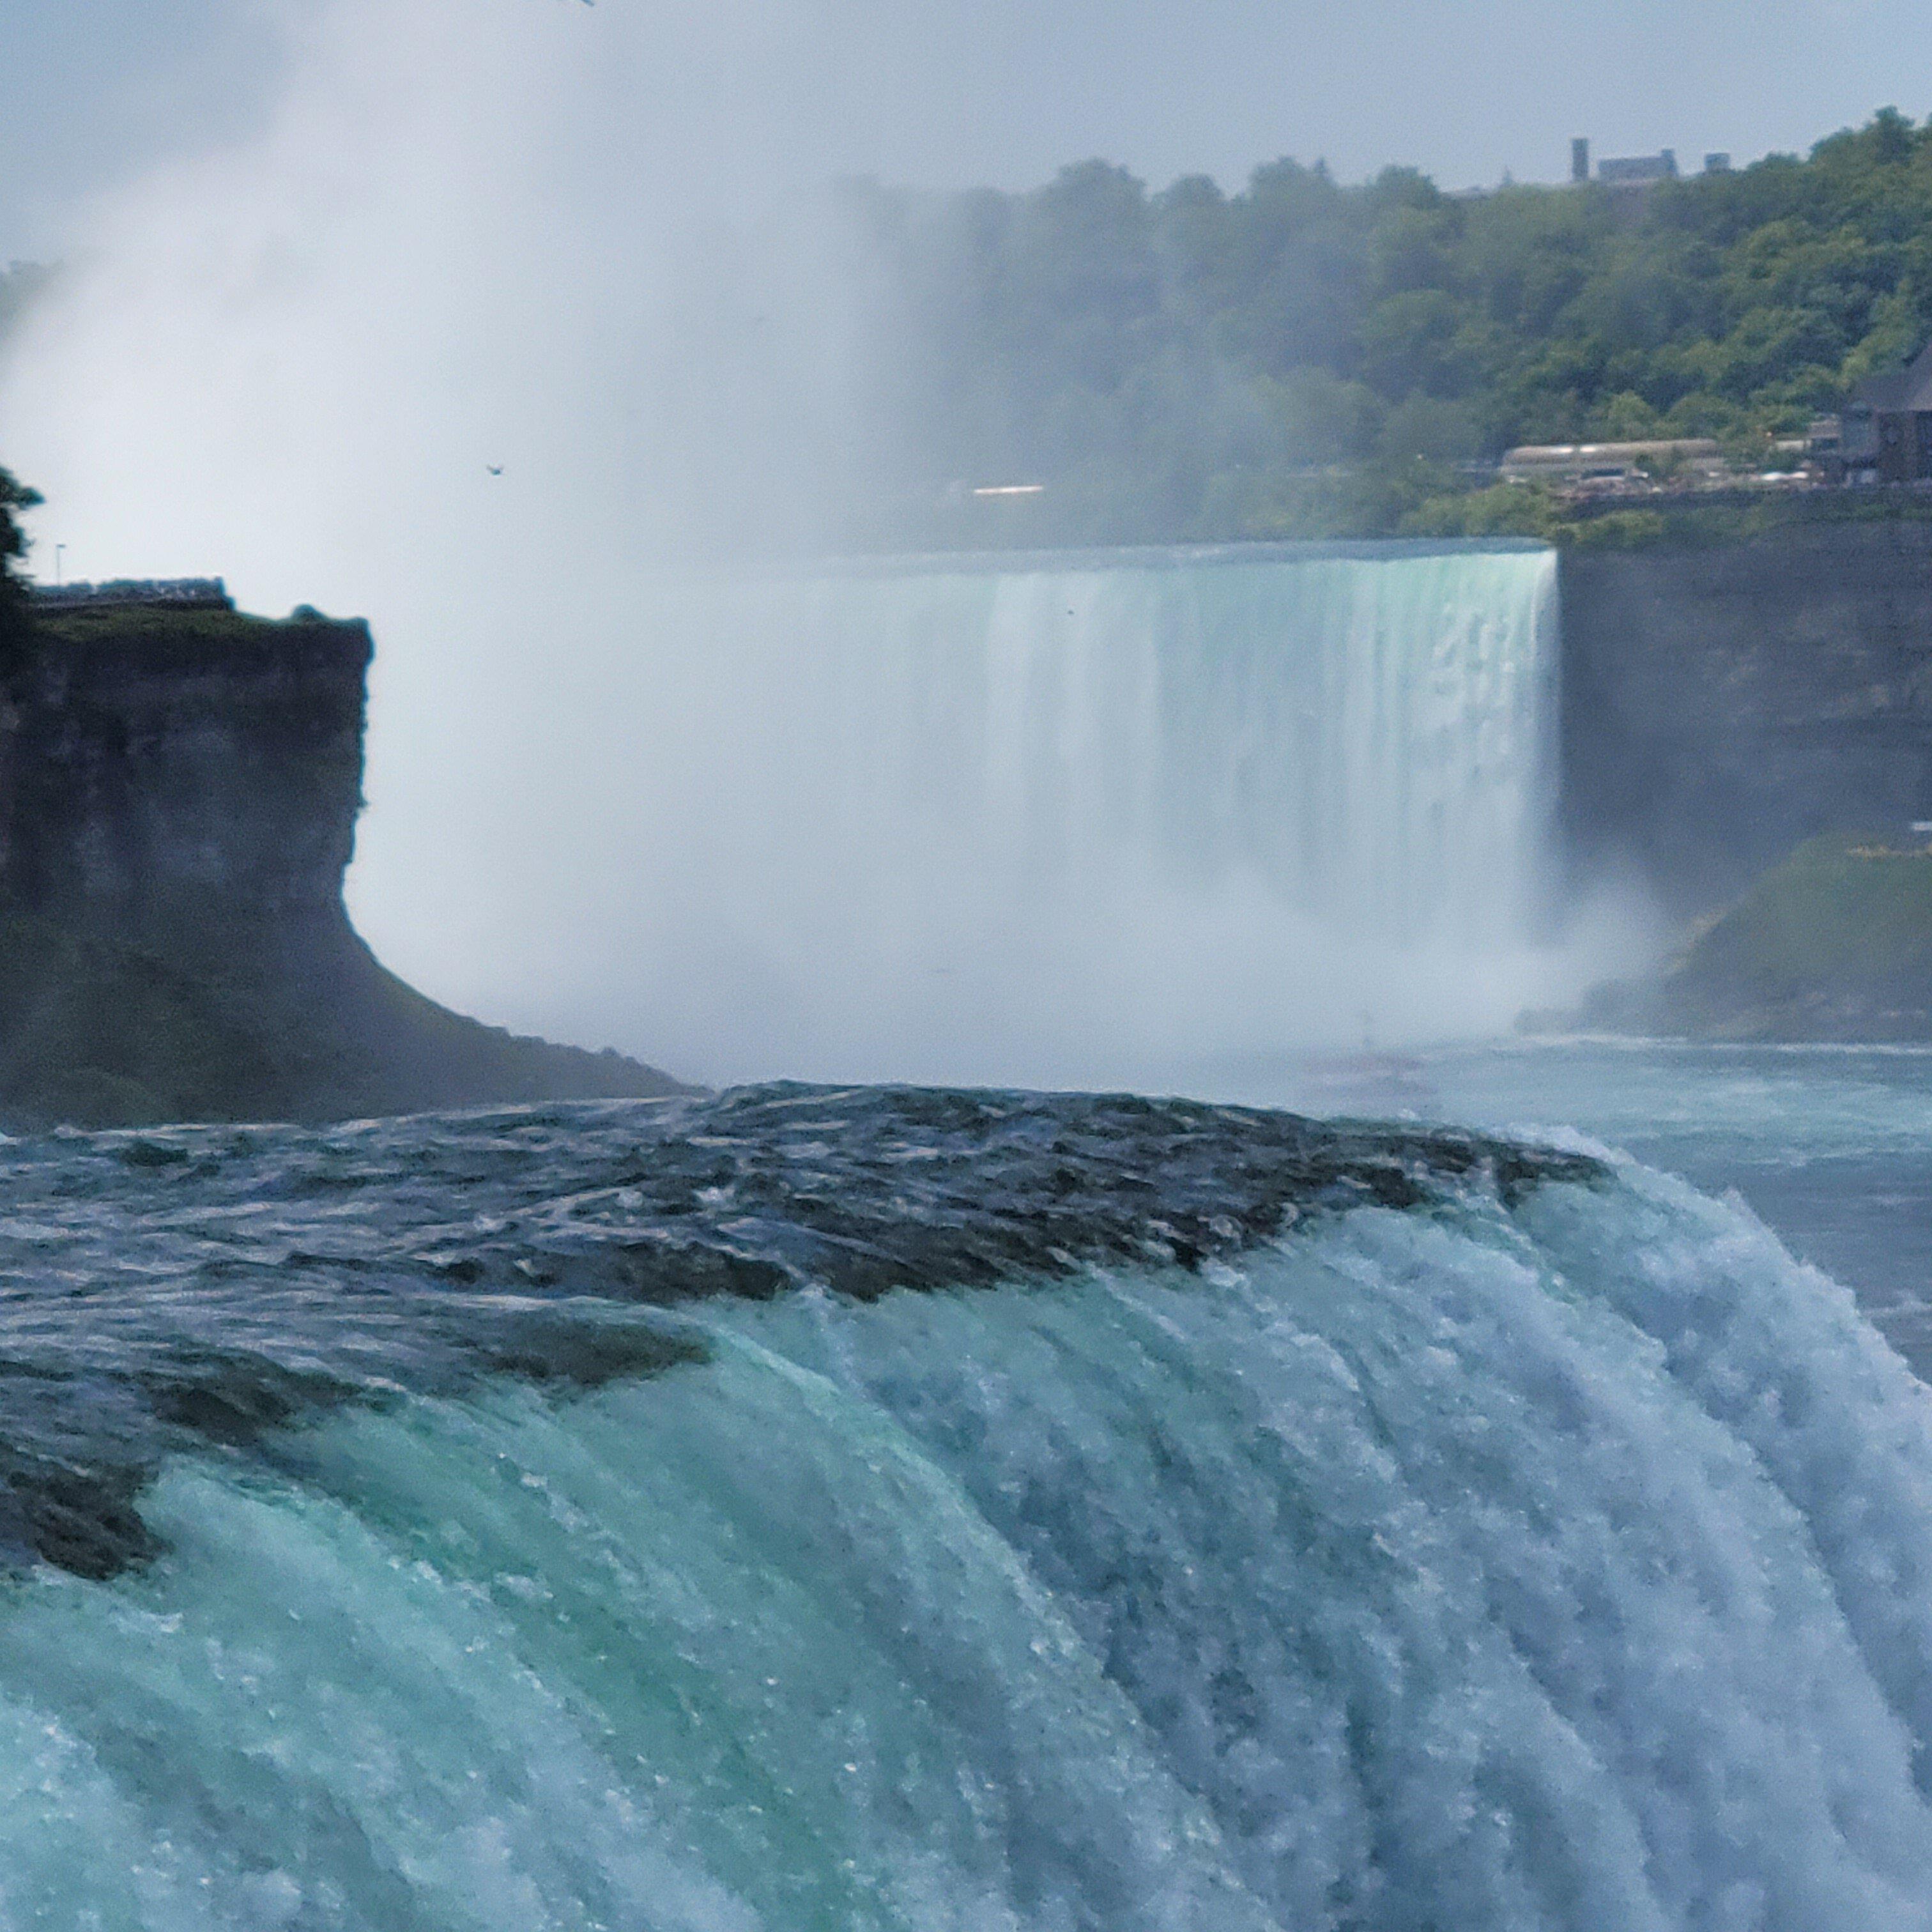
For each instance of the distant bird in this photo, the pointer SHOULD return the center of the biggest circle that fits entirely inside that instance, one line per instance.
(496, 469)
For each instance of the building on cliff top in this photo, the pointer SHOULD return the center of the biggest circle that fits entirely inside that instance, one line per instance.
(1637, 170)
(1606, 468)
(1885, 432)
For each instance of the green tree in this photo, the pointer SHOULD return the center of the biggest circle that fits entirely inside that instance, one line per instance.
(15, 497)
(1301, 356)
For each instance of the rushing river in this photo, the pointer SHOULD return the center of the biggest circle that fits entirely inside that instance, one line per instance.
(1831, 1145)
(817, 1510)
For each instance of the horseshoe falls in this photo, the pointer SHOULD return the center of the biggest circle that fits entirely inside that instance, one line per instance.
(1359, 734)
(1077, 817)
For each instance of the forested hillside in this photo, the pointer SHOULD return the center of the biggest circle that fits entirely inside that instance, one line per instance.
(1305, 357)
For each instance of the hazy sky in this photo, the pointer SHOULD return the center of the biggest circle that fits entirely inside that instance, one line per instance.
(949, 92)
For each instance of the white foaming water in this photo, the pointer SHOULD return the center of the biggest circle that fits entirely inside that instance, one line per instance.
(1062, 818)
(1547, 1573)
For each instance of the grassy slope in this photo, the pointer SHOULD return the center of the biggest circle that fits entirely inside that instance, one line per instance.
(1835, 943)
(155, 627)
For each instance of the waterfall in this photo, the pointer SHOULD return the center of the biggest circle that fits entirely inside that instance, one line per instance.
(1060, 816)
(1361, 732)
(1083, 817)
(1541, 1557)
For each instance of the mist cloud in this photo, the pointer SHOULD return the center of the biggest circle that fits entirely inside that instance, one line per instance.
(578, 246)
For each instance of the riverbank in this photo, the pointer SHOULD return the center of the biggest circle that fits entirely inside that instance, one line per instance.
(1834, 945)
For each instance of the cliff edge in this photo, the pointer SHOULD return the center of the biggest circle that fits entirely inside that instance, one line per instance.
(179, 791)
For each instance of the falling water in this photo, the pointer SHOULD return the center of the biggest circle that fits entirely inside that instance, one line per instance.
(1062, 816)
(885, 1510)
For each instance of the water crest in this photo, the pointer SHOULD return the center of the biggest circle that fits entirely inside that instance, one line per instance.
(1236, 1521)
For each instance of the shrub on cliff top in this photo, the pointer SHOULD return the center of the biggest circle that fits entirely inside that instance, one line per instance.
(15, 497)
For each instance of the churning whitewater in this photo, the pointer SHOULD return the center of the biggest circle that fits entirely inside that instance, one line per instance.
(815, 1510)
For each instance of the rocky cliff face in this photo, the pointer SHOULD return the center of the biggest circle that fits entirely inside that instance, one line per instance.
(186, 781)
(1721, 705)
(179, 791)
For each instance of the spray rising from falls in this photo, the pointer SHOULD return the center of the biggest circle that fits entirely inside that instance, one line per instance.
(1075, 818)
(1233, 1525)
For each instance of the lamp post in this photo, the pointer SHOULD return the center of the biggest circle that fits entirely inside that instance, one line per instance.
(59, 551)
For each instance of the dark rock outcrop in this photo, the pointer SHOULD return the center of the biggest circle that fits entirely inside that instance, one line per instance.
(179, 790)
(249, 1278)
(1722, 704)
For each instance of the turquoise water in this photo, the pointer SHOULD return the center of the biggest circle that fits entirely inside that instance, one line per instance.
(1831, 1145)
(557, 1518)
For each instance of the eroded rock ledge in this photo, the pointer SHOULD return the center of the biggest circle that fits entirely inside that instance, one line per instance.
(179, 791)
(218, 1284)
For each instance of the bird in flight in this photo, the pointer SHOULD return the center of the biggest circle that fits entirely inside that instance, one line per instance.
(494, 468)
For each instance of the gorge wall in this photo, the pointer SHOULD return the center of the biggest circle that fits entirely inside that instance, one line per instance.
(178, 792)
(187, 781)
(1721, 704)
